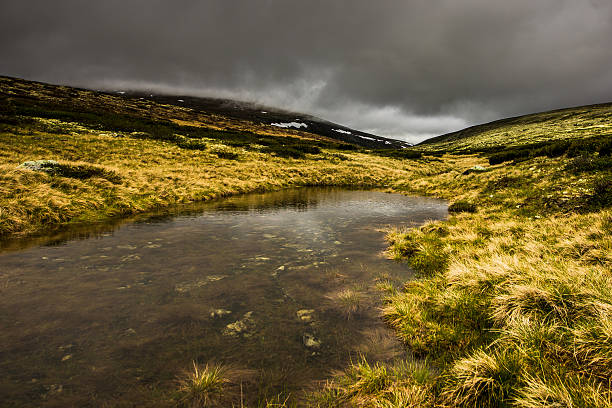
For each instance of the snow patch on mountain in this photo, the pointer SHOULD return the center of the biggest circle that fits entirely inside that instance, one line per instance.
(369, 138)
(346, 132)
(296, 125)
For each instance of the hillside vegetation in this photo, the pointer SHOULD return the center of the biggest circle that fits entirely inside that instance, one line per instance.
(522, 131)
(512, 302)
(118, 156)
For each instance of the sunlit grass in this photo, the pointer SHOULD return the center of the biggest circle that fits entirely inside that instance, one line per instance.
(148, 174)
(401, 384)
(511, 300)
(203, 385)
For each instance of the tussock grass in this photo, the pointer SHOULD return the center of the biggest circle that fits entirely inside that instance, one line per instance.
(511, 304)
(104, 176)
(483, 380)
(202, 386)
(520, 314)
(348, 300)
(566, 391)
(404, 383)
(462, 206)
(423, 248)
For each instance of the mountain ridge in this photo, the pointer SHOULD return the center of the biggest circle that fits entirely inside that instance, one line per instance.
(565, 123)
(272, 120)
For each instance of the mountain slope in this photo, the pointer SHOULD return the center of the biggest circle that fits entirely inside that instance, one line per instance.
(269, 116)
(114, 155)
(509, 301)
(215, 114)
(563, 124)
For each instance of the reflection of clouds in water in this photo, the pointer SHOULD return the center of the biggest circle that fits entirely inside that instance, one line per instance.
(316, 215)
(167, 274)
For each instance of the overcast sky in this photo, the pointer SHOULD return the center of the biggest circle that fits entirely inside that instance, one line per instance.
(408, 69)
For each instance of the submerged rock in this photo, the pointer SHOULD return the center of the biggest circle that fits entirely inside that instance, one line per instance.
(241, 328)
(187, 286)
(310, 341)
(217, 313)
(53, 389)
(214, 278)
(130, 247)
(305, 315)
(130, 258)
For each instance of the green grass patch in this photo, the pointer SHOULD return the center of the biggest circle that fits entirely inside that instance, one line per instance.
(462, 206)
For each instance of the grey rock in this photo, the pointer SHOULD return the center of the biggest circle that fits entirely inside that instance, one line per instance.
(39, 165)
(475, 169)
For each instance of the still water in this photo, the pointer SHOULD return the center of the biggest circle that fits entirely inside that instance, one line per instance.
(281, 285)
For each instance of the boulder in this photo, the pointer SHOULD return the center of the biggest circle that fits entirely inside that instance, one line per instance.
(475, 169)
(39, 165)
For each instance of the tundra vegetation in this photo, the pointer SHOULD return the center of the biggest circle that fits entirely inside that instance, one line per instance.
(511, 304)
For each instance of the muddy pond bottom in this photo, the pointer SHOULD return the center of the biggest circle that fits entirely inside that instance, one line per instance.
(284, 287)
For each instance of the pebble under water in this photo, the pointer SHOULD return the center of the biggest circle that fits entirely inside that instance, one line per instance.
(281, 286)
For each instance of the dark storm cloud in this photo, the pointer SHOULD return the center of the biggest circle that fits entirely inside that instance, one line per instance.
(402, 68)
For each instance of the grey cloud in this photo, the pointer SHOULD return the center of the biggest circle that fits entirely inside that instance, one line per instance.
(407, 69)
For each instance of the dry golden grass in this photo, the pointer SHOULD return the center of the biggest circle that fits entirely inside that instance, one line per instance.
(512, 305)
(513, 301)
(155, 173)
(404, 384)
(572, 123)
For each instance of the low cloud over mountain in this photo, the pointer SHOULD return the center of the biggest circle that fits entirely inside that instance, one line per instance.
(408, 70)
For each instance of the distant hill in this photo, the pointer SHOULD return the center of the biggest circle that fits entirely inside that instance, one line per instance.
(219, 114)
(273, 117)
(562, 124)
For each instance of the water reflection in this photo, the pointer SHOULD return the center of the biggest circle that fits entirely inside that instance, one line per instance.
(281, 284)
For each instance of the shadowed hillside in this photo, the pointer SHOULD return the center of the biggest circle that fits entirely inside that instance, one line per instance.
(25, 97)
(274, 117)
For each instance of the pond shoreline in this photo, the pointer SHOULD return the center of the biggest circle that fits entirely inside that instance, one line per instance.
(66, 231)
(294, 272)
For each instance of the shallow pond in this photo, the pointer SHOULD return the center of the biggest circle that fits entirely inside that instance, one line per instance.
(281, 286)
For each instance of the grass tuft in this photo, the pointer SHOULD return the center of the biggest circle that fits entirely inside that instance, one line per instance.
(562, 391)
(462, 206)
(424, 249)
(483, 380)
(203, 385)
(401, 384)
